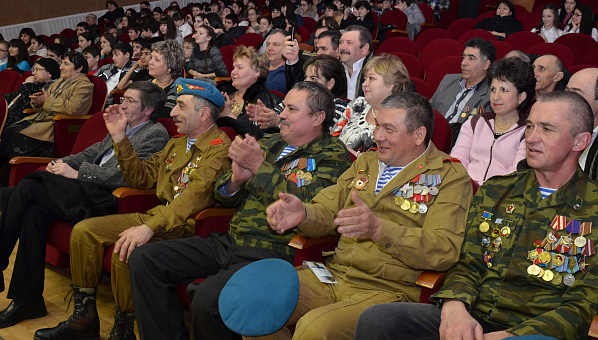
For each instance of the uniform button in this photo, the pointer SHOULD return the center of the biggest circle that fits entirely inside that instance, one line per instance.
(387, 245)
(577, 207)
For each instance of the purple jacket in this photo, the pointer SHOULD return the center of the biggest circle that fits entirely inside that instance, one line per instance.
(484, 156)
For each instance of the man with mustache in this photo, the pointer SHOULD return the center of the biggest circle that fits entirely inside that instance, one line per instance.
(355, 48)
(302, 160)
(459, 96)
(183, 174)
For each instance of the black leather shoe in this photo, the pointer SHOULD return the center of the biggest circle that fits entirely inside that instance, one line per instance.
(18, 311)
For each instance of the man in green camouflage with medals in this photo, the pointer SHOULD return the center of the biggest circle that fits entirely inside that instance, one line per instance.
(527, 265)
(302, 160)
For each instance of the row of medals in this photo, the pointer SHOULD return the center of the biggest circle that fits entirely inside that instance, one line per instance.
(411, 205)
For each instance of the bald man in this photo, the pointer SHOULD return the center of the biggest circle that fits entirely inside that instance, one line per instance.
(585, 83)
(548, 70)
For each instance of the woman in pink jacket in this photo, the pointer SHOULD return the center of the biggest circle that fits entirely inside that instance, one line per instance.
(492, 143)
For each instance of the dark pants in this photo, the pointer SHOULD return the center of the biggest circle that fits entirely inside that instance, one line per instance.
(405, 321)
(156, 268)
(26, 215)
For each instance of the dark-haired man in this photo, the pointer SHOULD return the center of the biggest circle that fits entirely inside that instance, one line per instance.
(527, 265)
(355, 48)
(302, 160)
(461, 95)
(111, 73)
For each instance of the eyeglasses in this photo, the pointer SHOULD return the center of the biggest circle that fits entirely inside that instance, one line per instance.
(576, 15)
(37, 69)
(3, 50)
(129, 100)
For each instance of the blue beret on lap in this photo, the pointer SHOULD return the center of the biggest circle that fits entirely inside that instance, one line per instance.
(260, 298)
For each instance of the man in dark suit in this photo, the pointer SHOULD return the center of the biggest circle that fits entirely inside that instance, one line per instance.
(460, 96)
(355, 48)
(585, 83)
(72, 188)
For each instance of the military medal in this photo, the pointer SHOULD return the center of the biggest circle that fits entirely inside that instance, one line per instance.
(299, 174)
(488, 256)
(495, 232)
(533, 270)
(405, 205)
(569, 280)
(417, 189)
(361, 182)
(559, 222)
(510, 208)
(557, 279)
(497, 244)
(399, 200)
(544, 257)
(414, 208)
(558, 260)
(485, 226)
(425, 191)
(423, 208)
(548, 275)
(307, 177)
(485, 242)
(433, 191)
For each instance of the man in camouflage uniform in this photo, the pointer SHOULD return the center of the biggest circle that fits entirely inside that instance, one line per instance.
(399, 210)
(302, 160)
(183, 173)
(527, 265)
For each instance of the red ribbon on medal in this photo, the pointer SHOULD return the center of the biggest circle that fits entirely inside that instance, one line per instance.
(559, 222)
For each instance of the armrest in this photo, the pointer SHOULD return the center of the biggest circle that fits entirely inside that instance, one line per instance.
(30, 160)
(222, 79)
(215, 219)
(29, 111)
(117, 91)
(399, 31)
(305, 242)
(427, 24)
(124, 192)
(593, 332)
(431, 279)
(214, 212)
(65, 117)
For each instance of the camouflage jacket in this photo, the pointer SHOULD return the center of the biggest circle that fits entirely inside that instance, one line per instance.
(410, 242)
(504, 293)
(249, 226)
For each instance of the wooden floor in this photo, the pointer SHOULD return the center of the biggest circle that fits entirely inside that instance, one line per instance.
(57, 285)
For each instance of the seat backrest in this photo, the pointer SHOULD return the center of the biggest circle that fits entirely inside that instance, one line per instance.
(303, 32)
(591, 58)
(581, 44)
(438, 49)
(425, 37)
(309, 23)
(485, 15)
(92, 131)
(413, 65)
(461, 26)
(563, 52)
(278, 93)
(477, 33)
(8, 79)
(169, 125)
(124, 37)
(502, 48)
(21, 80)
(519, 10)
(100, 93)
(394, 17)
(68, 33)
(230, 132)
(529, 20)
(398, 44)
(422, 87)
(428, 13)
(524, 40)
(3, 113)
(573, 69)
(250, 39)
(227, 56)
(442, 136)
(105, 61)
(440, 68)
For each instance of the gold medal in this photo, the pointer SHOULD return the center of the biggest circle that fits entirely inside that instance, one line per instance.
(510, 208)
(580, 241)
(300, 174)
(540, 273)
(307, 176)
(558, 260)
(495, 232)
(414, 208)
(405, 205)
(505, 231)
(548, 275)
(557, 279)
(361, 182)
(544, 257)
(484, 227)
(533, 269)
(399, 200)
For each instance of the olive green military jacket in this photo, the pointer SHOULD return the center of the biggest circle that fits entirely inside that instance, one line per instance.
(249, 226)
(409, 242)
(183, 180)
(505, 293)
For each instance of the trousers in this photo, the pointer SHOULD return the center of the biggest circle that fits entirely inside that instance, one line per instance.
(157, 268)
(329, 311)
(88, 239)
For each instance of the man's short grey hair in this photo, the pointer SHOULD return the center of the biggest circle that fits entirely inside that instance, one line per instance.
(365, 36)
(319, 98)
(579, 114)
(200, 102)
(419, 111)
(150, 95)
(519, 54)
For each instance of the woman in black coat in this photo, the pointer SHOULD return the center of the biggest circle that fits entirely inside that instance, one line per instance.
(503, 23)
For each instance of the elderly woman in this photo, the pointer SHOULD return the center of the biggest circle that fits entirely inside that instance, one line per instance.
(249, 74)
(503, 23)
(69, 95)
(384, 75)
(45, 71)
(165, 66)
(493, 143)
(549, 26)
(206, 60)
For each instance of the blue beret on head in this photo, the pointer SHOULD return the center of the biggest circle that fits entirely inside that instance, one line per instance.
(199, 88)
(260, 298)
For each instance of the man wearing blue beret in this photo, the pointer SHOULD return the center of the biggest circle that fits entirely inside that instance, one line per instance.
(303, 159)
(183, 173)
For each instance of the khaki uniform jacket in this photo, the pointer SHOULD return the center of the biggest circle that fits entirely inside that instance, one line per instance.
(409, 243)
(72, 96)
(162, 172)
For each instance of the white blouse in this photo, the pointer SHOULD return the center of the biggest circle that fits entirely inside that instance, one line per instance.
(551, 35)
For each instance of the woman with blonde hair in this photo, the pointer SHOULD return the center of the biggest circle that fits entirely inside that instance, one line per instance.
(384, 75)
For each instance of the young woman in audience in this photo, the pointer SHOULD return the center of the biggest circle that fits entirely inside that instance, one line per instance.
(225, 11)
(85, 40)
(384, 75)
(18, 57)
(38, 47)
(566, 13)
(238, 9)
(362, 15)
(206, 59)
(166, 65)
(114, 12)
(252, 19)
(198, 22)
(265, 25)
(583, 22)
(248, 81)
(492, 143)
(309, 10)
(123, 24)
(26, 35)
(168, 30)
(549, 26)
(107, 41)
(157, 13)
(503, 23)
